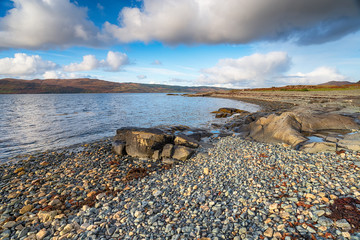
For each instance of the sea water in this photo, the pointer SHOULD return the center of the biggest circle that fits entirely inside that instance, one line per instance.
(39, 122)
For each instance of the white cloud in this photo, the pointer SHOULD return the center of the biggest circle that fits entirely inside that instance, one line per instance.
(38, 24)
(89, 63)
(236, 21)
(114, 61)
(249, 71)
(318, 76)
(61, 75)
(23, 65)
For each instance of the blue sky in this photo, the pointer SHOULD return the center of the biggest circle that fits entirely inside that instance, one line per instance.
(237, 43)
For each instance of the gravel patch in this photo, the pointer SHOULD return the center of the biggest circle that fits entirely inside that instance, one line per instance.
(236, 190)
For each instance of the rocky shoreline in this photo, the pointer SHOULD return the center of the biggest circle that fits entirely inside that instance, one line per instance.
(231, 188)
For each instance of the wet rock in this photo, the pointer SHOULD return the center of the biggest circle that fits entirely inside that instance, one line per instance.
(227, 112)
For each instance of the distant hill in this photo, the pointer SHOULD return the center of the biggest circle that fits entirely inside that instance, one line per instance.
(338, 83)
(86, 85)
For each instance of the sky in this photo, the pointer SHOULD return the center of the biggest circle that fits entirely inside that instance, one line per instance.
(232, 43)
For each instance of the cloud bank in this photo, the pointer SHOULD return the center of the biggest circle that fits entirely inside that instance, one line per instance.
(35, 24)
(114, 61)
(43, 24)
(250, 71)
(23, 65)
(237, 21)
(264, 70)
(26, 66)
(319, 75)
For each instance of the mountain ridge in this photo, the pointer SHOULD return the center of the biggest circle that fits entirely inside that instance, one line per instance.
(87, 85)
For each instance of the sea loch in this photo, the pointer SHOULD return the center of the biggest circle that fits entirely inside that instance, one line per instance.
(41, 122)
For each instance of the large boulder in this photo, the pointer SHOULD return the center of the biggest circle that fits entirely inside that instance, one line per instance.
(142, 142)
(284, 128)
(153, 143)
(288, 127)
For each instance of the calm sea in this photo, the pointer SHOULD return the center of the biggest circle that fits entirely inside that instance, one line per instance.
(30, 123)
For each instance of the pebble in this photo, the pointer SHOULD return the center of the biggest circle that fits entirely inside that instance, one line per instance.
(41, 234)
(237, 189)
(342, 223)
(269, 232)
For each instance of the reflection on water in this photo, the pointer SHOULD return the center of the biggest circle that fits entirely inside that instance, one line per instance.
(47, 121)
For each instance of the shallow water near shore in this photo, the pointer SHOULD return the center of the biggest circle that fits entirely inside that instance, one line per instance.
(41, 122)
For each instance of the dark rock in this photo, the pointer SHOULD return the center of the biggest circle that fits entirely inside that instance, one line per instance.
(119, 147)
(227, 112)
(222, 115)
(142, 142)
(183, 153)
(230, 110)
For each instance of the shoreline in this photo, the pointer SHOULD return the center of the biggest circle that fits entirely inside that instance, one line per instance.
(327, 101)
(236, 189)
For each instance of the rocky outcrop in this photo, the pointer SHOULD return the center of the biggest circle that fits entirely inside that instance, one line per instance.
(227, 112)
(290, 126)
(284, 128)
(153, 143)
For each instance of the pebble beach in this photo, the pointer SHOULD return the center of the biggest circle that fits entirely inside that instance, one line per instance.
(237, 189)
